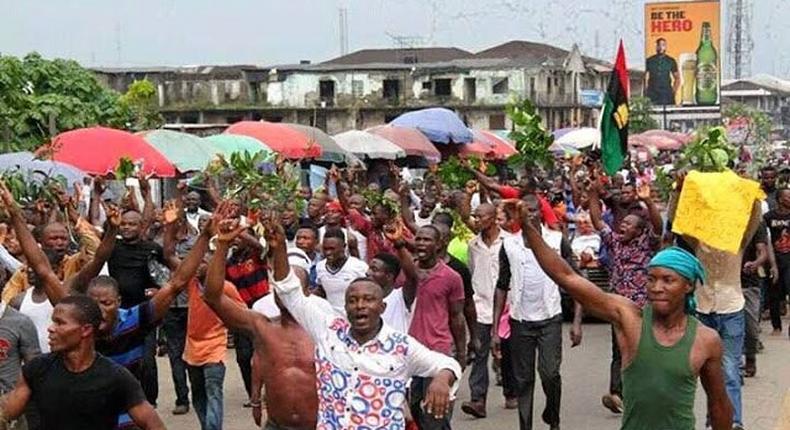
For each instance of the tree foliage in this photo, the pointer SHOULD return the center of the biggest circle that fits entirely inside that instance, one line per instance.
(40, 98)
(639, 116)
(530, 136)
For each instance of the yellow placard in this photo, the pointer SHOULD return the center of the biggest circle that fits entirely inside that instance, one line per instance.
(715, 208)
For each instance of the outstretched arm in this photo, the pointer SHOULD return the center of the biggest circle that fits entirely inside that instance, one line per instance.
(655, 216)
(233, 315)
(179, 279)
(35, 256)
(609, 307)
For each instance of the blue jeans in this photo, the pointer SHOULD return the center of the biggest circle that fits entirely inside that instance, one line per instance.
(207, 381)
(731, 328)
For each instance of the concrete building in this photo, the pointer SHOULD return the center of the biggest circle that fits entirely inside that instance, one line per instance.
(372, 86)
(765, 93)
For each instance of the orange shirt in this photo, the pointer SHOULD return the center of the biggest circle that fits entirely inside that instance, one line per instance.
(207, 336)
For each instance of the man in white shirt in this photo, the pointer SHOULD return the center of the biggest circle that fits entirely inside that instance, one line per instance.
(484, 265)
(384, 269)
(360, 360)
(337, 270)
(535, 319)
(193, 210)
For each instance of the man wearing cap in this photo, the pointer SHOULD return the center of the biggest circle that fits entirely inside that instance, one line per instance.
(662, 343)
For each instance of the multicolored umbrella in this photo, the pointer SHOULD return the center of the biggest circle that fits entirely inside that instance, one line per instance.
(369, 145)
(39, 169)
(97, 150)
(331, 152)
(487, 145)
(279, 137)
(186, 151)
(227, 144)
(414, 143)
(439, 125)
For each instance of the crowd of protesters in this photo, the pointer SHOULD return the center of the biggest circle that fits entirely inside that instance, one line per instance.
(364, 312)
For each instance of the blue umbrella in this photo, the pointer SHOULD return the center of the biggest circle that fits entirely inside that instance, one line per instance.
(39, 169)
(439, 125)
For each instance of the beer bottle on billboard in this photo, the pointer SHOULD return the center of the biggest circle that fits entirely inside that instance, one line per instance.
(707, 69)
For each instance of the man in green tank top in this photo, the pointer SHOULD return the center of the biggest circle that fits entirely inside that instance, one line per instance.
(663, 348)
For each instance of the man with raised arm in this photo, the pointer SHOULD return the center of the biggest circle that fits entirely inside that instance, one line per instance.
(359, 359)
(664, 349)
(285, 353)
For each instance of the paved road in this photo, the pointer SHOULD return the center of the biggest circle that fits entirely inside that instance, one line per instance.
(585, 378)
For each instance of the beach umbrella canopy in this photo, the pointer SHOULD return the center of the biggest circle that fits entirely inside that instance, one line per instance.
(331, 152)
(279, 137)
(659, 141)
(97, 150)
(369, 145)
(495, 147)
(227, 144)
(39, 169)
(578, 138)
(439, 125)
(414, 143)
(186, 151)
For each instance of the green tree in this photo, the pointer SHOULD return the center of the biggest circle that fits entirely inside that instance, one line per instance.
(530, 136)
(40, 98)
(140, 103)
(640, 118)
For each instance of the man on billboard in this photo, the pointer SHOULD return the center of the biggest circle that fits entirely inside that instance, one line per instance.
(663, 77)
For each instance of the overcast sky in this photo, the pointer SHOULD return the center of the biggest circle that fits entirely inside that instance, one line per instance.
(266, 32)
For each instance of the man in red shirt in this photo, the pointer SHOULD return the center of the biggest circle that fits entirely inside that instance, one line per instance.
(438, 318)
(527, 185)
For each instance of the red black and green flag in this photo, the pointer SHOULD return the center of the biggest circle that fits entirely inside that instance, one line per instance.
(614, 118)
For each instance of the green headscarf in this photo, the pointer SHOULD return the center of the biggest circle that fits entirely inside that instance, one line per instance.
(686, 265)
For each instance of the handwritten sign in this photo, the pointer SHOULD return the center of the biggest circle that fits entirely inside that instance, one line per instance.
(715, 208)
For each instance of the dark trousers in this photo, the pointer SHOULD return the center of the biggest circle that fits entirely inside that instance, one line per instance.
(616, 369)
(478, 377)
(752, 315)
(244, 351)
(207, 382)
(777, 291)
(545, 339)
(175, 327)
(425, 421)
(509, 386)
(150, 378)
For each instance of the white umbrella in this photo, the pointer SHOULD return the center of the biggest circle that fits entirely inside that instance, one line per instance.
(368, 145)
(580, 138)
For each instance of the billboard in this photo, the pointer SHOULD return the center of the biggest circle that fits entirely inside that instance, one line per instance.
(683, 53)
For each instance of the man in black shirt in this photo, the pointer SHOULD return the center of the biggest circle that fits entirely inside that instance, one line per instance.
(778, 223)
(73, 387)
(129, 266)
(663, 77)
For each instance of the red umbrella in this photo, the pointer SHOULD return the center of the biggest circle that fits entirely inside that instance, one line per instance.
(279, 137)
(97, 150)
(488, 145)
(414, 143)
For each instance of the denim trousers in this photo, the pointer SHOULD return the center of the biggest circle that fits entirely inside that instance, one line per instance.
(207, 382)
(731, 329)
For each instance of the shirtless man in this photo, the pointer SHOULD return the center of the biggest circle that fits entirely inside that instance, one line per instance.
(284, 352)
(660, 343)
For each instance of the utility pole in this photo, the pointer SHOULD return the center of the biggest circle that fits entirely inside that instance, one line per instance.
(343, 21)
(740, 43)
